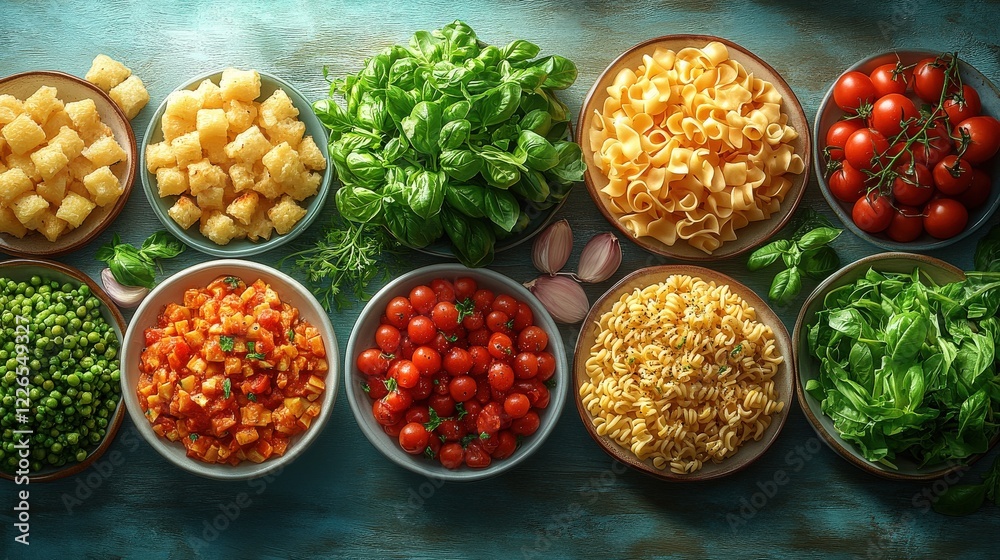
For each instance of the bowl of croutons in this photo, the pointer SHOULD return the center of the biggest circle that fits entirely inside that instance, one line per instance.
(67, 161)
(235, 163)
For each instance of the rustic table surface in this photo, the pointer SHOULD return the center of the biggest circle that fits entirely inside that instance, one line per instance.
(342, 498)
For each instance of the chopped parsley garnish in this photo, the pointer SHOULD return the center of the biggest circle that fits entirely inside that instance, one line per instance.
(291, 335)
(365, 387)
(252, 353)
(251, 397)
(550, 383)
(465, 308)
(226, 343)
(484, 435)
(434, 421)
(227, 387)
(390, 384)
(428, 452)
(736, 350)
(233, 281)
(193, 437)
(460, 407)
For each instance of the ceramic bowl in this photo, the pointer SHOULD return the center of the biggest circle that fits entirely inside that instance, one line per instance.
(784, 379)
(829, 113)
(363, 337)
(70, 89)
(172, 290)
(937, 271)
(238, 247)
(21, 270)
(749, 237)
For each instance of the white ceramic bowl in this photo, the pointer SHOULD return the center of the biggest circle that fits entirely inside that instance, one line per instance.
(172, 290)
(363, 337)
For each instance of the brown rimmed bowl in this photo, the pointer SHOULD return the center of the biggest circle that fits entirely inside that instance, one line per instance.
(71, 88)
(755, 233)
(784, 379)
(937, 271)
(21, 270)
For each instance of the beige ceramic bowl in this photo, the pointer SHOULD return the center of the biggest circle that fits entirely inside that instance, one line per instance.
(784, 379)
(748, 237)
(70, 89)
(20, 270)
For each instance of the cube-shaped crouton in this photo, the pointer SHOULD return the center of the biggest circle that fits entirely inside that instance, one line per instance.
(185, 212)
(13, 183)
(174, 127)
(285, 214)
(210, 94)
(243, 85)
(80, 167)
(74, 209)
(215, 151)
(212, 126)
(23, 134)
(212, 198)
(187, 149)
(260, 226)
(130, 95)
(304, 186)
(310, 154)
(159, 155)
(10, 224)
(282, 162)
(218, 227)
(268, 187)
(183, 104)
(76, 186)
(277, 107)
(11, 107)
(68, 141)
(103, 186)
(53, 189)
(50, 225)
(240, 114)
(171, 181)
(55, 123)
(203, 175)
(43, 103)
(28, 206)
(248, 146)
(91, 134)
(24, 163)
(104, 151)
(106, 72)
(244, 207)
(49, 161)
(241, 176)
(286, 130)
(84, 114)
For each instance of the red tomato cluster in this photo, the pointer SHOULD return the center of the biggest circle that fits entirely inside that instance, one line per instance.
(907, 170)
(458, 373)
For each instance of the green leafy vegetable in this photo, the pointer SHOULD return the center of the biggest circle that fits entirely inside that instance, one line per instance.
(441, 132)
(965, 499)
(232, 281)
(137, 267)
(806, 254)
(227, 387)
(252, 353)
(987, 256)
(226, 343)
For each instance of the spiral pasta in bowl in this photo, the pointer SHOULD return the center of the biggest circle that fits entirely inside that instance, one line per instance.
(696, 149)
(683, 373)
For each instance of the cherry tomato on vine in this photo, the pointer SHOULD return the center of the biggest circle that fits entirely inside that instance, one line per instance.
(872, 213)
(978, 192)
(838, 134)
(964, 105)
(847, 183)
(937, 144)
(913, 185)
(891, 78)
(945, 218)
(907, 225)
(865, 148)
(952, 175)
(853, 90)
(891, 112)
(929, 78)
(983, 138)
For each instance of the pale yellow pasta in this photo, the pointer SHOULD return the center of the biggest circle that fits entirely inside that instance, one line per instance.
(694, 147)
(681, 374)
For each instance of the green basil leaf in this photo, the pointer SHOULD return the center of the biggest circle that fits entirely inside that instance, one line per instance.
(399, 103)
(472, 239)
(425, 193)
(366, 168)
(519, 50)
(785, 286)
(423, 127)
(528, 78)
(499, 103)
(537, 121)
(820, 263)
(532, 186)
(467, 199)
(460, 165)
(560, 72)
(454, 134)
(818, 237)
(571, 167)
(161, 245)
(425, 46)
(536, 151)
(905, 334)
(502, 208)
(409, 228)
(130, 268)
(768, 254)
(961, 499)
(792, 257)
(455, 111)
(332, 115)
(358, 204)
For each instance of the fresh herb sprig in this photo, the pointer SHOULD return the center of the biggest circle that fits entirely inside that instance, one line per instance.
(138, 267)
(806, 254)
(964, 499)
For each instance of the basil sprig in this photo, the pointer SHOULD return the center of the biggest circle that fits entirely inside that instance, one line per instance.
(137, 267)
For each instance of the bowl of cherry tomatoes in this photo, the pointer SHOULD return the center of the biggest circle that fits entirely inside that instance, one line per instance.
(456, 373)
(907, 147)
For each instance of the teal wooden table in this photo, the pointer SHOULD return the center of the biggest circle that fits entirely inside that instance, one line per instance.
(342, 498)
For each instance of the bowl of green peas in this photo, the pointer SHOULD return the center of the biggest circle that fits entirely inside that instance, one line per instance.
(60, 342)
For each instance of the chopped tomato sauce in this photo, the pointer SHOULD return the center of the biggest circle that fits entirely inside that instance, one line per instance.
(232, 372)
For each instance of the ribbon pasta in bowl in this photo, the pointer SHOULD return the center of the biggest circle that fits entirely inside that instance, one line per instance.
(695, 148)
(683, 373)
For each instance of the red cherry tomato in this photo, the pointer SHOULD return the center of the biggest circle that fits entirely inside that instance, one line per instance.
(526, 425)
(506, 445)
(945, 218)
(387, 337)
(847, 183)
(525, 365)
(892, 114)
(405, 372)
(451, 455)
(399, 312)
(413, 438)
(457, 361)
(516, 405)
(500, 347)
(907, 224)
(838, 134)
(445, 316)
(982, 134)
(421, 330)
(865, 148)
(891, 78)
(872, 213)
(937, 145)
(465, 288)
(462, 388)
(475, 456)
(961, 106)
(373, 362)
(978, 192)
(532, 339)
(852, 90)
(952, 175)
(422, 299)
(913, 185)
(443, 290)
(427, 360)
(501, 376)
(929, 78)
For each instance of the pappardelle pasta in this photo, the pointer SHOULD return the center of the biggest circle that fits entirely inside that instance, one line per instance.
(694, 147)
(681, 373)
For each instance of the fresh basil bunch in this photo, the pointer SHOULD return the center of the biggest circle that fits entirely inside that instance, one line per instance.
(806, 254)
(448, 136)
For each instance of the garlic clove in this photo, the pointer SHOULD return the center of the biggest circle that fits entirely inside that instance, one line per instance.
(600, 259)
(552, 247)
(562, 297)
(123, 296)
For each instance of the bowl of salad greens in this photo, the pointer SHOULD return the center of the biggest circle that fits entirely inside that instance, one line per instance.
(897, 364)
(454, 146)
